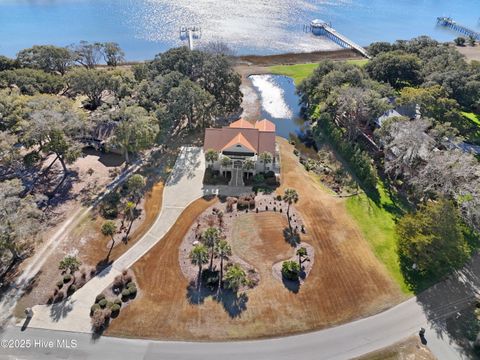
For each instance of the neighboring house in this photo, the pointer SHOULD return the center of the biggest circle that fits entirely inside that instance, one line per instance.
(411, 111)
(99, 137)
(241, 141)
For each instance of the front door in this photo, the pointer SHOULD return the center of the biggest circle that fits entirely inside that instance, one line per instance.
(237, 164)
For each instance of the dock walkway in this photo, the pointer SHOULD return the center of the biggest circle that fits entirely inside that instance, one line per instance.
(450, 23)
(319, 27)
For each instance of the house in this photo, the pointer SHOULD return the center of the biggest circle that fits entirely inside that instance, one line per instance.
(411, 111)
(239, 142)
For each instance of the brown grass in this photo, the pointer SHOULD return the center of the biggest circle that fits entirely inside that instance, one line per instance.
(410, 348)
(94, 251)
(346, 281)
(92, 248)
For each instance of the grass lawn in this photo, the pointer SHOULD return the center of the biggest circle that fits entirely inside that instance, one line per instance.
(475, 118)
(377, 222)
(299, 72)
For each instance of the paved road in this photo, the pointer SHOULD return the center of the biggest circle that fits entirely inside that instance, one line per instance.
(183, 186)
(342, 342)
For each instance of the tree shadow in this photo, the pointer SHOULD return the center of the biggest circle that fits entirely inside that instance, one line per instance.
(234, 303)
(291, 236)
(291, 285)
(103, 267)
(25, 323)
(186, 164)
(107, 159)
(450, 306)
(61, 309)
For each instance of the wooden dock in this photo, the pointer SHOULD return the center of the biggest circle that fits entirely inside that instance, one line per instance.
(319, 27)
(190, 33)
(450, 23)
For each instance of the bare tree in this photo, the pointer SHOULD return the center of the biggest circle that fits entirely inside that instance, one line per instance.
(20, 220)
(406, 145)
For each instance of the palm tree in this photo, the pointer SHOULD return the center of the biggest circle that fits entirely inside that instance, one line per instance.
(70, 263)
(199, 257)
(226, 161)
(211, 156)
(109, 228)
(223, 250)
(135, 186)
(265, 158)
(128, 212)
(291, 197)
(301, 253)
(235, 277)
(248, 165)
(210, 238)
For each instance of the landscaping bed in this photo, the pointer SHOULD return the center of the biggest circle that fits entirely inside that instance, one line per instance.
(213, 177)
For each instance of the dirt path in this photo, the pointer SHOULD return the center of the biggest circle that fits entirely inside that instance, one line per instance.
(346, 281)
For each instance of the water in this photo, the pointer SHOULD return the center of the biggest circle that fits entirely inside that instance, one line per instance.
(146, 27)
(280, 103)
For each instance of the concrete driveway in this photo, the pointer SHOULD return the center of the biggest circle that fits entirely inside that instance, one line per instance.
(183, 187)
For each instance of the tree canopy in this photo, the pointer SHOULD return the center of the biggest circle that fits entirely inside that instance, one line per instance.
(431, 239)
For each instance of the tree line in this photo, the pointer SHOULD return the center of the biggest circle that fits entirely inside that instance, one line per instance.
(54, 100)
(420, 154)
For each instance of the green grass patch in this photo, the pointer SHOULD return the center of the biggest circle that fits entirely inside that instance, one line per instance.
(300, 72)
(377, 223)
(475, 118)
(297, 72)
(358, 62)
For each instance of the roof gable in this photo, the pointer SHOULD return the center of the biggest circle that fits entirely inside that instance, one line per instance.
(265, 125)
(241, 124)
(239, 143)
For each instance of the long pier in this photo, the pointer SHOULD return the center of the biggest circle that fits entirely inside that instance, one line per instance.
(190, 33)
(318, 27)
(450, 23)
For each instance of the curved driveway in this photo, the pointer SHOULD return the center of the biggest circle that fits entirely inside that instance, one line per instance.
(183, 186)
(70, 321)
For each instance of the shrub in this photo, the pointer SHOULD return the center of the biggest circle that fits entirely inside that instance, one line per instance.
(115, 308)
(109, 212)
(99, 297)
(107, 314)
(72, 289)
(117, 301)
(271, 181)
(67, 278)
(102, 303)
(278, 197)
(129, 284)
(60, 284)
(133, 291)
(258, 179)
(118, 281)
(269, 174)
(125, 292)
(459, 41)
(60, 296)
(290, 270)
(109, 304)
(94, 308)
(230, 202)
(98, 321)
